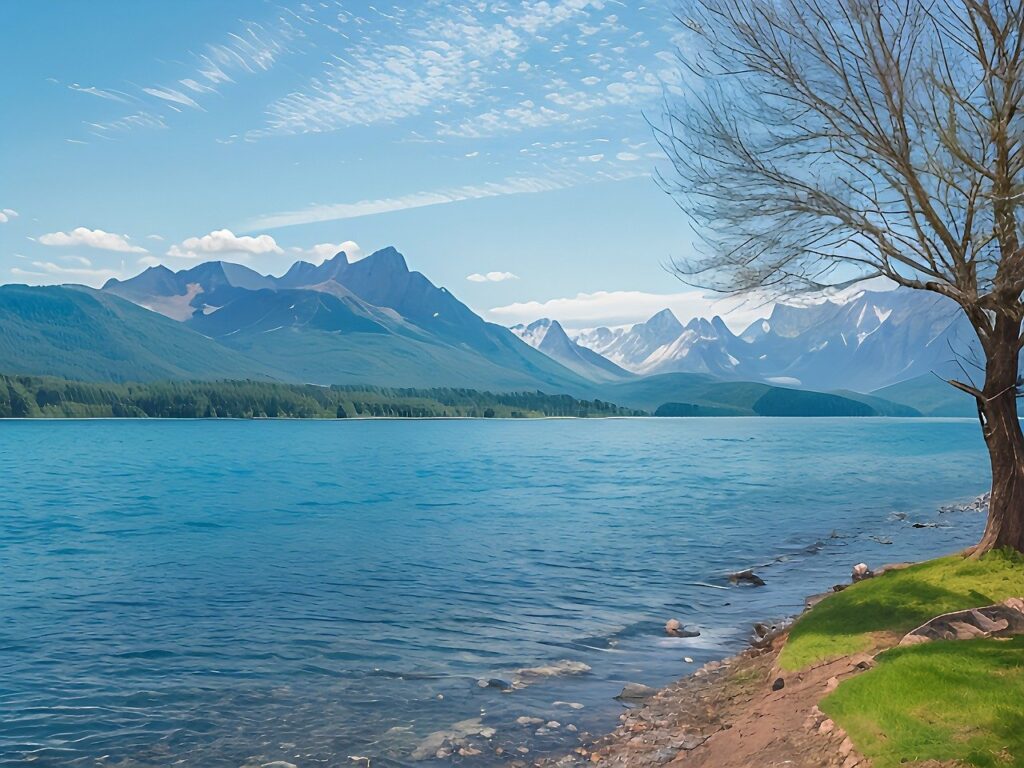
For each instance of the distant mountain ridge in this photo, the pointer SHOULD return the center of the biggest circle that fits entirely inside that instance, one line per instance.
(550, 338)
(875, 339)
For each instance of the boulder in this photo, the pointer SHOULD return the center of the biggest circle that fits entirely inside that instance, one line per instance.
(861, 572)
(636, 692)
(746, 577)
(675, 628)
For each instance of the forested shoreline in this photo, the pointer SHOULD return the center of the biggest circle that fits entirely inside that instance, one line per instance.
(48, 397)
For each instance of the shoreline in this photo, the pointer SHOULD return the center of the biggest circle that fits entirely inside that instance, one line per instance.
(772, 714)
(759, 714)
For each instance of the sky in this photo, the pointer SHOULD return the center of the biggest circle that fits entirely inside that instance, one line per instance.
(503, 147)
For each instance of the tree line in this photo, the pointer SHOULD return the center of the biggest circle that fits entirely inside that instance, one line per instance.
(41, 397)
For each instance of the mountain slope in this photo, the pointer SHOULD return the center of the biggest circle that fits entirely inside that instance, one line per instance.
(549, 337)
(931, 396)
(371, 321)
(77, 332)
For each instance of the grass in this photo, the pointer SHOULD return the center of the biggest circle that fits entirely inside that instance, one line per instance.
(952, 702)
(898, 601)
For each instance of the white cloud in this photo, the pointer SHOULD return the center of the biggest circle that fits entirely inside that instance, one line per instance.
(588, 310)
(627, 157)
(491, 277)
(7, 214)
(148, 261)
(320, 253)
(91, 238)
(224, 241)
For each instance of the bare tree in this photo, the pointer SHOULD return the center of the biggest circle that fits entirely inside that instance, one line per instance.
(823, 142)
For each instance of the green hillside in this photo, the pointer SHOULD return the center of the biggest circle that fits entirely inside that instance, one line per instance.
(931, 396)
(696, 394)
(323, 357)
(85, 334)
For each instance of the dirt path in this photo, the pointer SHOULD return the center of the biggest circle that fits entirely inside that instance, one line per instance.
(732, 714)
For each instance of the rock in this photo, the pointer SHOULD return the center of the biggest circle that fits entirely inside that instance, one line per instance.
(851, 761)
(524, 720)
(687, 659)
(278, 764)
(826, 727)
(663, 755)
(636, 692)
(1000, 620)
(494, 682)
(779, 684)
(746, 577)
(553, 725)
(674, 628)
(846, 747)
(861, 572)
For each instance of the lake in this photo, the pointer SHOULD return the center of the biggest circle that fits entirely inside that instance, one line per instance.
(234, 593)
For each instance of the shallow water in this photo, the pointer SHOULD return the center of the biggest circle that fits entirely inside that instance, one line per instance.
(203, 593)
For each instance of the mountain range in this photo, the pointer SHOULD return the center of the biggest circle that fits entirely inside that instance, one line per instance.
(375, 321)
(871, 340)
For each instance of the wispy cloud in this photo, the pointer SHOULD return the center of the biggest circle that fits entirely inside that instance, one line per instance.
(525, 185)
(90, 238)
(6, 214)
(253, 48)
(169, 94)
(223, 241)
(102, 93)
(442, 61)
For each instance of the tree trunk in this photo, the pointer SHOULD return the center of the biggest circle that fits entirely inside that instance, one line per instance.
(1002, 430)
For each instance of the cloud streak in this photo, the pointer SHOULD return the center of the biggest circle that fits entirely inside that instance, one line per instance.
(521, 185)
(491, 277)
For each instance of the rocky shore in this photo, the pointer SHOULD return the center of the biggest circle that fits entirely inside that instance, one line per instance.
(736, 713)
(744, 711)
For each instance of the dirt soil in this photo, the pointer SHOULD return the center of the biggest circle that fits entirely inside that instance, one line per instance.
(739, 713)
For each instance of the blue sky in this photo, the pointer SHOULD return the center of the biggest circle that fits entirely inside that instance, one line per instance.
(501, 146)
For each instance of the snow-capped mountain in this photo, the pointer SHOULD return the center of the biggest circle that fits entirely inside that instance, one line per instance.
(630, 347)
(549, 337)
(868, 340)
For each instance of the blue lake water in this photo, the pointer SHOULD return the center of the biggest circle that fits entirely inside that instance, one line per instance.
(233, 593)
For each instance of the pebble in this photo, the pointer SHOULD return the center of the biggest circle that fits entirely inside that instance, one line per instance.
(524, 720)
